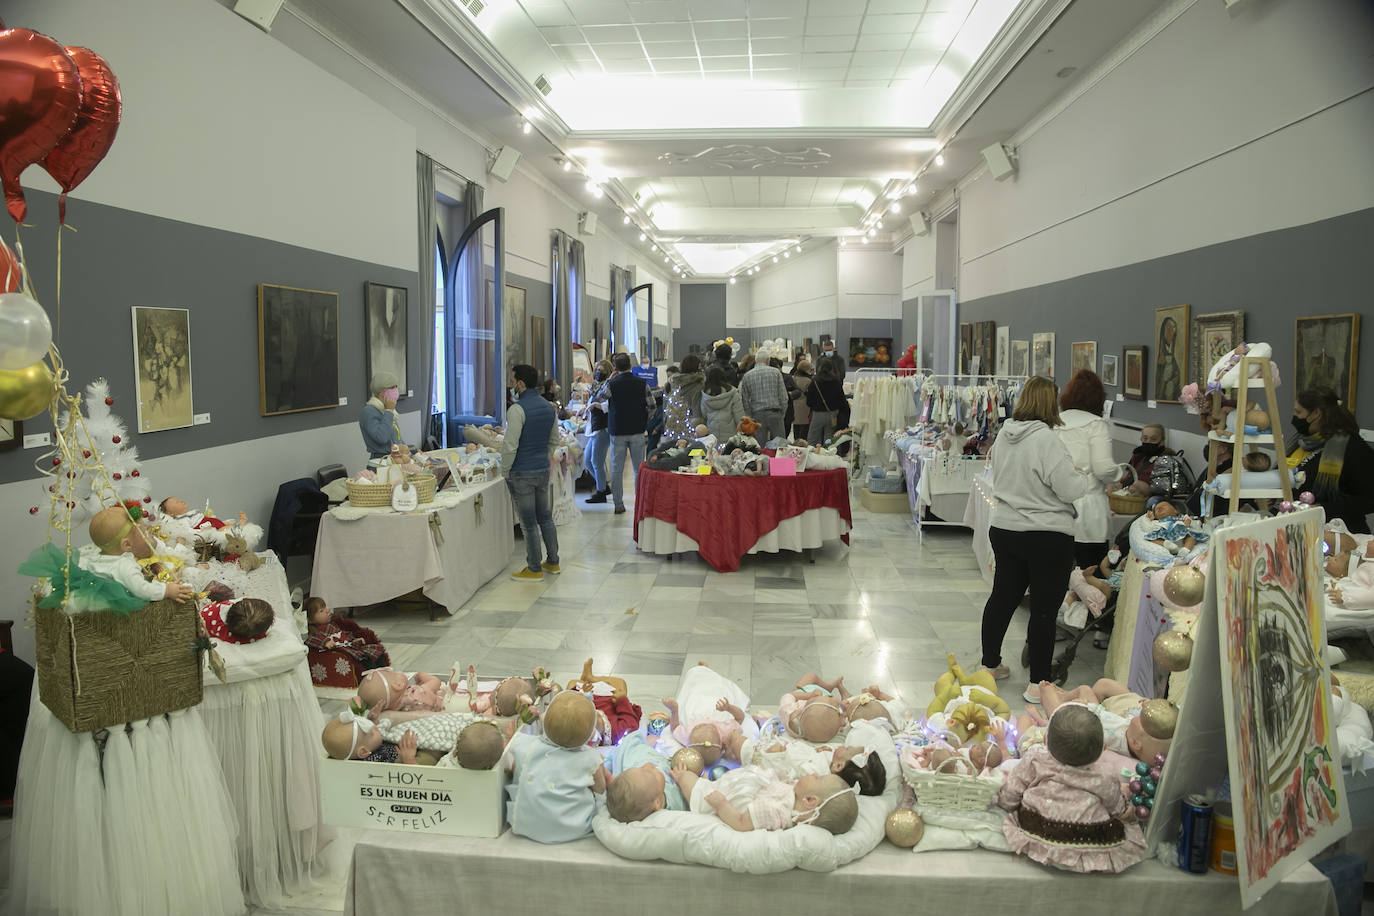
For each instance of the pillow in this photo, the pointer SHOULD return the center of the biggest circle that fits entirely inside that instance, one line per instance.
(1226, 371)
(702, 839)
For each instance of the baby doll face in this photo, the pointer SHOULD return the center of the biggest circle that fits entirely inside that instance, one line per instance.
(320, 616)
(1163, 510)
(173, 506)
(1338, 565)
(1141, 744)
(471, 447)
(385, 687)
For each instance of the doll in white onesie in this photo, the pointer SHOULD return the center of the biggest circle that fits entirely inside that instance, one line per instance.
(707, 711)
(121, 543)
(752, 798)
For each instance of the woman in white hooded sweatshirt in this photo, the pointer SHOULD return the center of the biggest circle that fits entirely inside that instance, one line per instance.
(1089, 442)
(1035, 485)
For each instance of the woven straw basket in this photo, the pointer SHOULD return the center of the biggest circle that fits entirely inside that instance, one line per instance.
(1126, 503)
(97, 669)
(375, 495)
(957, 791)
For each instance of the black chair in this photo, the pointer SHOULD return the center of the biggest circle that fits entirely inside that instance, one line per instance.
(328, 474)
(295, 520)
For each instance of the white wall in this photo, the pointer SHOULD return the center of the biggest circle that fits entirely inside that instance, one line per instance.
(918, 265)
(869, 282)
(277, 149)
(739, 304)
(1220, 126)
(804, 288)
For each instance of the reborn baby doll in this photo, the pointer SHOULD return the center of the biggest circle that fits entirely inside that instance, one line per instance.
(246, 620)
(122, 543)
(555, 775)
(1178, 533)
(479, 745)
(1128, 728)
(352, 736)
(384, 689)
(1064, 813)
(326, 634)
(753, 798)
(640, 781)
(874, 705)
(707, 711)
(813, 710)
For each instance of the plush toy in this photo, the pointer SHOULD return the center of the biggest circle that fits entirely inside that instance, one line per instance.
(982, 689)
(236, 550)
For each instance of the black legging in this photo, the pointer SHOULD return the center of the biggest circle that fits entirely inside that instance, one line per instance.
(1040, 561)
(1089, 556)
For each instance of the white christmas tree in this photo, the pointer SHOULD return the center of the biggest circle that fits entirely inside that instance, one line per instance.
(101, 464)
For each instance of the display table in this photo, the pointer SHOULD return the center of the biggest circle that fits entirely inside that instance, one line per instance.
(404, 873)
(725, 518)
(383, 555)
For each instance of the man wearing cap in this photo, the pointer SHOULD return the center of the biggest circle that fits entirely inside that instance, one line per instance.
(378, 421)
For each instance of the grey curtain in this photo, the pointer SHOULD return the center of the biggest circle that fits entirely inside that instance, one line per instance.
(620, 288)
(568, 263)
(426, 223)
(474, 377)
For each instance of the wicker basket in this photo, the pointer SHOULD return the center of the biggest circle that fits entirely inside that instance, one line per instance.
(1123, 503)
(207, 550)
(97, 669)
(878, 481)
(955, 791)
(376, 495)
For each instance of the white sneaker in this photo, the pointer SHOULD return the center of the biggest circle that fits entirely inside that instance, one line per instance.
(1032, 694)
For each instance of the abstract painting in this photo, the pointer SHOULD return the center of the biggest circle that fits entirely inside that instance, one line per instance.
(162, 368)
(1020, 358)
(1082, 355)
(1171, 352)
(1109, 370)
(1042, 354)
(298, 349)
(1327, 353)
(1003, 350)
(1214, 336)
(385, 310)
(1284, 764)
(1135, 372)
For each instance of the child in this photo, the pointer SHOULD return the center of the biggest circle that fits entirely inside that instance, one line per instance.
(326, 634)
(121, 544)
(1117, 709)
(352, 736)
(752, 798)
(385, 689)
(246, 620)
(812, 711)
(707, 711)
(1064, 813)
(555, 776)
(640, 782)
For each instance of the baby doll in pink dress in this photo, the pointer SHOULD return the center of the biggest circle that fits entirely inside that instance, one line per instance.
(385, 689)
(1061, 811)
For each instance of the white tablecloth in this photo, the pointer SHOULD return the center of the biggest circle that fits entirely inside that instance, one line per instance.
(381, 556)
(978, 516)
(401, 873)
(809, 530)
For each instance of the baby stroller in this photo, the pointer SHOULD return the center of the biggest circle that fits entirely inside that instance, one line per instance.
(1063, 660)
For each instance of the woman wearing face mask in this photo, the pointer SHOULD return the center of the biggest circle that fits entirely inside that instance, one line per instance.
(598, 438)
(1143, 459)
(1338, 465)
(378, 421)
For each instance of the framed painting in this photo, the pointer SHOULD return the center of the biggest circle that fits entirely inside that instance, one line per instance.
(513, 327)
(1108, 373)
(1326, 351)
(1215, 335)
(1042, 354)
(1020, 358)
(539, 345)
(384, 308)
(11, 434)
(298, 349)
(985, 345)
(1082, 355)
(1003, 345)
(162, 368)
(965, 347)
(1134, 371)
(870, 352)
(1171, 352)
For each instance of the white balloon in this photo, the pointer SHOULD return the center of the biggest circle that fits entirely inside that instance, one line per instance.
(25, 332)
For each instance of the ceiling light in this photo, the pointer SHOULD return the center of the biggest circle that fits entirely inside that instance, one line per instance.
(567, 165)
(526, 127)
(643, 236)
(625, 219)
(775, 259)
(865, 239)
(896, 208)
(785, 254)
(798, 249)
(939, 159)
(871, 233)
(655, 248)
(732, 281)
(842, 242)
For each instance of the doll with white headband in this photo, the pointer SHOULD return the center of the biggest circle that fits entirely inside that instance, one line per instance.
(121, 543)
(877, 706)
(707, 712)
(855, 761)
(814, 710)
(384, 689)
(352, 736)
(753, 798)
(1064, 812)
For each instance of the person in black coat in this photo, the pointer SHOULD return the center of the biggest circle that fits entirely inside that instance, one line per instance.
(724, 354)
(1337, 462)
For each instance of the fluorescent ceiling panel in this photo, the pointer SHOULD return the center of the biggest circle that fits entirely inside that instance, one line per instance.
(724, 258)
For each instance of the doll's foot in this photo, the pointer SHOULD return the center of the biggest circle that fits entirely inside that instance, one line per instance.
(587, 671)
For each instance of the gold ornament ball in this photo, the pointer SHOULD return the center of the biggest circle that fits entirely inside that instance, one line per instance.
(1173, 651)
(904, 828)
(1159, 718)
(1185, 586)
(26, 392)
(688, 758)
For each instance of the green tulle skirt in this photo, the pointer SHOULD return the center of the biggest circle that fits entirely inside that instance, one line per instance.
(85, 592)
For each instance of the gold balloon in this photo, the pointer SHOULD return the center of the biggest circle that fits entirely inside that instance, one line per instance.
(1185, 586)
(1173, 651)
(1159, 718)
(688, 758)
(904, 828)
(25, 393)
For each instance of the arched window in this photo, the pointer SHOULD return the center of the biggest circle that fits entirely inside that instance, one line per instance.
(439, 404)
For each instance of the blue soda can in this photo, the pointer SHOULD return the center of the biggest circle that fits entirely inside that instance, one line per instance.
(1195, 834)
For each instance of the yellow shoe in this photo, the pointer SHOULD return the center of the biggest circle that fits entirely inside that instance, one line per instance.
(551, 568)
(528, 575)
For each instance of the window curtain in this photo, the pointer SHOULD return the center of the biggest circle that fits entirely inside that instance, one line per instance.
(472, 390)
(427, 224)
(568, 264)
(622, 311)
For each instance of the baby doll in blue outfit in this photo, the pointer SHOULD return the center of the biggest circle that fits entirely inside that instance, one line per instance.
(555, 776)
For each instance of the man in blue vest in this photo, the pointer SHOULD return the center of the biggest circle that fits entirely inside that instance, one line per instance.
(525, 455)
(629, 404)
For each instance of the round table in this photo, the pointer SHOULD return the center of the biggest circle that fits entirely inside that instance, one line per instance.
(724, 518)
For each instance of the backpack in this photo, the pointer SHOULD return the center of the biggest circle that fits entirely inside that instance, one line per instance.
(1171, 477)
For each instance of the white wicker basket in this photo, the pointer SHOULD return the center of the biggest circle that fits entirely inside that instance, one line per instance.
(957, 791)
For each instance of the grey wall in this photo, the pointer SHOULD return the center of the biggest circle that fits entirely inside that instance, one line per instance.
(701, 310)
(120, 258)
(1322, 268)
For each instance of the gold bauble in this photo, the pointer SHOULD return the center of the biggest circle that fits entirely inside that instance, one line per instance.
(1185, 586)
(688, 758)
(904, 828)
(1159, 718)
(1173, 651)
(25, 392)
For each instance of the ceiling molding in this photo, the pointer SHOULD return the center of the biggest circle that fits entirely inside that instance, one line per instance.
(759, 133)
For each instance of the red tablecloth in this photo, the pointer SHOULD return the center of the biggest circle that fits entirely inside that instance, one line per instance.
(727, 515)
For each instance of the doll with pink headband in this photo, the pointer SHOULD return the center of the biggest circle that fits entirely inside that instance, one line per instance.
(385, 689)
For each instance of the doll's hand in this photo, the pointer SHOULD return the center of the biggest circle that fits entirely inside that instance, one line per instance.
(685, 779)
(178, 591)
(716, 799)
(1335, 596)
(405, 750)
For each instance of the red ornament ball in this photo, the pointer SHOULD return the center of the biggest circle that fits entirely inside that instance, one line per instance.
(147, 499)
(114, 439)
(56, 462)
(71, 505)
(52, 489)
(134, 472)
(118, 476)
(33, 510)
(109, 401)
(70, 474)
(85, 453)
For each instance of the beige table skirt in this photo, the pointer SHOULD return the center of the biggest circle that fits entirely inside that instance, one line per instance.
(1118, 666)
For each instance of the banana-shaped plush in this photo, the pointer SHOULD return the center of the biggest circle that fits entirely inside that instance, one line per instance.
(942, 697)
(991, 701)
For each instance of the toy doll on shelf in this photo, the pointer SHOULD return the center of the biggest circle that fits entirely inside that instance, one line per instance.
(120, 542)
(753, 798)
(1060, 810)
(329, 633)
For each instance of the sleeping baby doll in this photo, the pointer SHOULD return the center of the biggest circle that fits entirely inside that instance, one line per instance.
(243, 621)
(707, 711)
(387, 689)
(640, 781)
(813, 711)
(1177, 533)
(352, 736)
(753, 798)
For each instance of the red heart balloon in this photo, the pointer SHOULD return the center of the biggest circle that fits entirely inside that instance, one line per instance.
(78, 153)
(40, 91)
(9, 270)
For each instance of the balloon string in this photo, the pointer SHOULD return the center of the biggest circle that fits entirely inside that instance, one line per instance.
(57, 325)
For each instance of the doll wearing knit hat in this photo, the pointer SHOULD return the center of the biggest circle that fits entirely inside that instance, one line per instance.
(555, 776)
